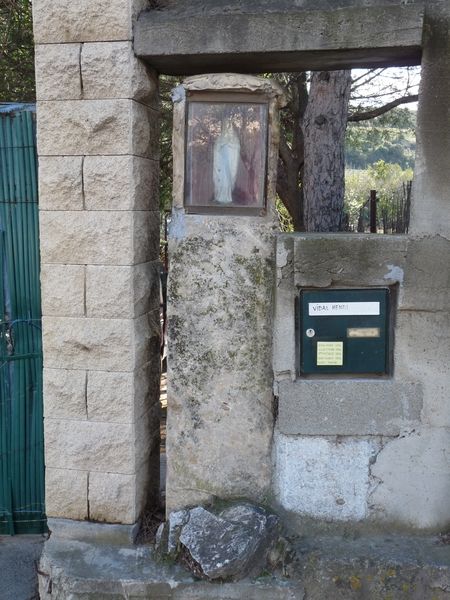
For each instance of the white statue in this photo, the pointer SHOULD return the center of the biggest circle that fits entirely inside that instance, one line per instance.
(226, 160)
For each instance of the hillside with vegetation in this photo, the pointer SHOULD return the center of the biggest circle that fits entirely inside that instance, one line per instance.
(380, 156)
(390, 138)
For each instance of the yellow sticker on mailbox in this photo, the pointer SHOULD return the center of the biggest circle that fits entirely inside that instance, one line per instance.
(330, 354)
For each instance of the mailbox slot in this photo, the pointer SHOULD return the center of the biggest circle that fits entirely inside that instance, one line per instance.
(344, 331)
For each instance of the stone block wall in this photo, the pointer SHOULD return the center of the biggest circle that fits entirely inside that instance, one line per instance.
(98, 128)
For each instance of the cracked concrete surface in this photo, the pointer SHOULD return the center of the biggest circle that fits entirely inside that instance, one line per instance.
(85, 563)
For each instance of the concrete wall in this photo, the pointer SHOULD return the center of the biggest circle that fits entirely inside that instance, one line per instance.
(220, 300)
(377, 451)
(99, 216)
(364, 450)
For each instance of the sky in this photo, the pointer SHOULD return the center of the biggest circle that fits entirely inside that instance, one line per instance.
(379, 86)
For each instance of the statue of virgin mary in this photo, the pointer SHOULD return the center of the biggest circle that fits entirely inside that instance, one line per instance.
(226, 161)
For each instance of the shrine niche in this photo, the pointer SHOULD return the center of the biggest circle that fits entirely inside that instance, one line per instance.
(226, 153)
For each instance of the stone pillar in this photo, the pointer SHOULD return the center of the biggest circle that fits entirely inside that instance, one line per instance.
(431, 202)
(220, 304)
(98, 126)
(414, 470)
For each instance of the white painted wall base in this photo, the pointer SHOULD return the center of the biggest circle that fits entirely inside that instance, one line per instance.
(323, 478)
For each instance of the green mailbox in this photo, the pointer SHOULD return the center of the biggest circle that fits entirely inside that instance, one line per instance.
(344, 331)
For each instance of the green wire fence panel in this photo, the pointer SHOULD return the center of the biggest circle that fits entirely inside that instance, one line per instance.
(21, 420)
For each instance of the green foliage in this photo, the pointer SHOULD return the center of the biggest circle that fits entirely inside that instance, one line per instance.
(390, 138)
(166, 84)
(17, 81)
(357, 189)
(388, 176)
(285, 219)
(387, 179)
(401, 118)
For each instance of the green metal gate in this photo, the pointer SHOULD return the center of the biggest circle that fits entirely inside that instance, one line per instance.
(21, 419)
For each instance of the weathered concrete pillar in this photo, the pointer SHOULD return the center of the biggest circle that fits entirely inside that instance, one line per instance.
(431, 205)
(414, 470)
(220, 400)
(99, 217)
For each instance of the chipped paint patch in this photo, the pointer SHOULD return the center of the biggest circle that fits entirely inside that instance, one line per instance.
(324, 478)
(395, 273)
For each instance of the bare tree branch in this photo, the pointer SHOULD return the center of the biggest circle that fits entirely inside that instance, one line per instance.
(366, 78)
(376, 112)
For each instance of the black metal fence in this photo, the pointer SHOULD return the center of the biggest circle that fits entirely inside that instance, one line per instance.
(386, 213)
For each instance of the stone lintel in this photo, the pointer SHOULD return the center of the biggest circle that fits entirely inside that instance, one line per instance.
(416, 265)
(348, 260)
(279, 62)
(284, 39)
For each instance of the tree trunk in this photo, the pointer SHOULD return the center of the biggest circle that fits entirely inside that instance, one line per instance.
(291, 194)
(324, 128)
(290, 171)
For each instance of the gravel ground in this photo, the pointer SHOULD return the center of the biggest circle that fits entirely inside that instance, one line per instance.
(18, 559)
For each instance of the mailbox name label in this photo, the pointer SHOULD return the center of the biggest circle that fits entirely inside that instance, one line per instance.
(329, 309)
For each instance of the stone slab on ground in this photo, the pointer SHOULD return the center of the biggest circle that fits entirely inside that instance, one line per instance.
(19, 556)
(83, 561)
(105, 567)
(376, 567)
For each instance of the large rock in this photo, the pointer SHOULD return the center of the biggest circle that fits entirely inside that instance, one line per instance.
(220, 306)
(229, 545)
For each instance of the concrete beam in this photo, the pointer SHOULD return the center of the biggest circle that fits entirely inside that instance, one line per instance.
(259, 37)
(348, 407)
